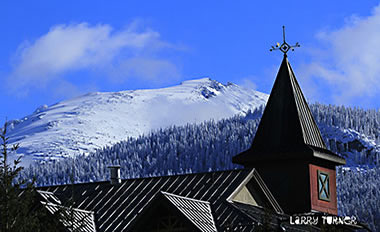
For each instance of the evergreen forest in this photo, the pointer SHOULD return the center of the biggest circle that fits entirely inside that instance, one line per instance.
(353, 133)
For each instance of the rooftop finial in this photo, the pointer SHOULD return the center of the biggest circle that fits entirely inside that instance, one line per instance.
(284, 47)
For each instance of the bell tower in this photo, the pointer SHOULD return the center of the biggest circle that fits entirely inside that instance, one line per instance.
(288, 150)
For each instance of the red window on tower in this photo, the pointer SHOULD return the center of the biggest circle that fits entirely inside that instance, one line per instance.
(323, 189)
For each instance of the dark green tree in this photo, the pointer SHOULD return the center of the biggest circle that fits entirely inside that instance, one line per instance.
(15, 203)
(19, 208)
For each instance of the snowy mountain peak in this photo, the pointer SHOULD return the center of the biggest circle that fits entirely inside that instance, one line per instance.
(40, 109)
(95, 120)
(206, 87)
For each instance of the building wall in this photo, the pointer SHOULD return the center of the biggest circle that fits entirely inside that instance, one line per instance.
(289, 184)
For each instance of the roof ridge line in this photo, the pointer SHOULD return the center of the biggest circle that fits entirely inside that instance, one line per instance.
(141, 178)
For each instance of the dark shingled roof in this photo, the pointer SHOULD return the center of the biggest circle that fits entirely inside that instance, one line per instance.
(287, 129)
(82, 220)
(117, 206)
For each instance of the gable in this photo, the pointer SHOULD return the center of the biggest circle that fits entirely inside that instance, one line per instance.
(253, 191)
(170, 212)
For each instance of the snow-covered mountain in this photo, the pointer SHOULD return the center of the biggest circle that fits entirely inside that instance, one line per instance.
(99, 119)
(94, 120)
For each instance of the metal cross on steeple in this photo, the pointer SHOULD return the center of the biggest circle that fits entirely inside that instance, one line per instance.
(284, 47)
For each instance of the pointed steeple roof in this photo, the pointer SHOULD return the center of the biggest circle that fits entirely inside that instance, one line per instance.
(287, 129)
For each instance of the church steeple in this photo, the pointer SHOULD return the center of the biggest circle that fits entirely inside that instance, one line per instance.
(287, 129)
(288, 150)
(287, 122)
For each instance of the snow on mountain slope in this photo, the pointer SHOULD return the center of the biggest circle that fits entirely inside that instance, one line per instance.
(94, 120)
(356, 148)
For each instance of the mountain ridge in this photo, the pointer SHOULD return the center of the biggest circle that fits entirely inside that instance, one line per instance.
(94, 120)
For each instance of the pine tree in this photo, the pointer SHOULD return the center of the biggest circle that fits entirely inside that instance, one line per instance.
(16, 196)
(19, 209)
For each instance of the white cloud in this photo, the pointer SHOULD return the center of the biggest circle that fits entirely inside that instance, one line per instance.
(193, 112)
(69, 48)
(248, 83)
(64, 89)
(350, 62)
(153, 70)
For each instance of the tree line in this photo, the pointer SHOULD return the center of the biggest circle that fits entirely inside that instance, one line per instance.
(209, 146)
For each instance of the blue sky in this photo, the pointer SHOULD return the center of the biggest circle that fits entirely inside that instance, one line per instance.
(55, 50)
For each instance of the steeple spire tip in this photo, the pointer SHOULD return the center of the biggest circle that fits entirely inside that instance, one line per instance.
(284, 47)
